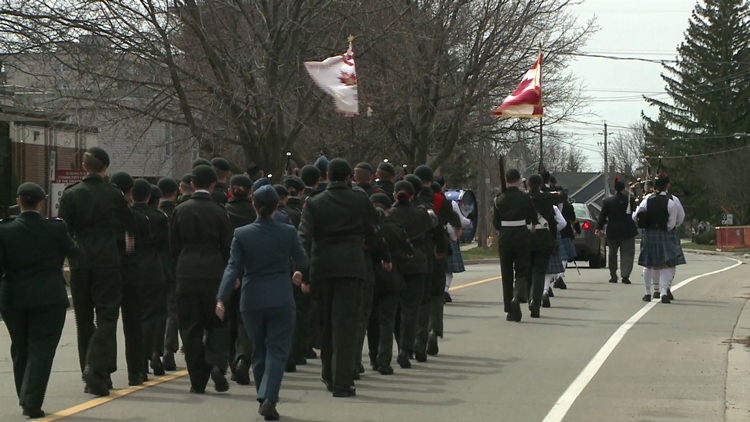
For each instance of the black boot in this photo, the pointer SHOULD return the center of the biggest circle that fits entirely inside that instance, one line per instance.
(268, 411)
(242, 372)
(515, 310)
(220, 381)
(403, 359)
(168, 361)
(647, 298)
(669, 294)
(534, 310)
(95, 383)
(432, 345)
(545, 301)
(156, 365)
(560, 284)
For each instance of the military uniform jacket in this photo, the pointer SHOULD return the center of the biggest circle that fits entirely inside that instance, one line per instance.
(241, 211)
(167, 207)
(418, 225)
(96, 213)
(294, 215)
(514, 206)
(543, 202)
(32, 252)
(331, 230)
(220, 194)
(402, 252)
(200, 237)
(386, 186)
(620, 225)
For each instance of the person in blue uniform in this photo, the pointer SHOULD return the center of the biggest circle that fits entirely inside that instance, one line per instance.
(263, 251)
(33, 299)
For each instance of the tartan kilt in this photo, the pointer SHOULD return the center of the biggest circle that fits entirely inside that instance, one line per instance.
(555, 265)
(455, 260)
(570, 249)
(660, 247)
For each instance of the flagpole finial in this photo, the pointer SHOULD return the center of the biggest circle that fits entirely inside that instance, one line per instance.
(350, 38)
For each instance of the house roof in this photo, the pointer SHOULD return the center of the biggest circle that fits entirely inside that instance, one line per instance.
(573, 182)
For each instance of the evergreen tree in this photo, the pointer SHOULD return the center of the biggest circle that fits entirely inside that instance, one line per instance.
(709, 93)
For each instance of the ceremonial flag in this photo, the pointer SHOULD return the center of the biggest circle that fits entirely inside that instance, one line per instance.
(526, 100)
(337, 76)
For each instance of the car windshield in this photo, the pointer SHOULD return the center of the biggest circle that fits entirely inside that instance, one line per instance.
(581, 211)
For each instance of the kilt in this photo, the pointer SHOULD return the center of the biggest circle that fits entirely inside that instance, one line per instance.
(570, 249)
(455, 260)
(555, 265)
(660, 247)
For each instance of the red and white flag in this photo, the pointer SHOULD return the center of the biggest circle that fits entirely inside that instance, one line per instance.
(526, 100)
(337, 76)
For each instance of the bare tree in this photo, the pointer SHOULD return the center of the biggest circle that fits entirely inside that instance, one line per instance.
(627, 148)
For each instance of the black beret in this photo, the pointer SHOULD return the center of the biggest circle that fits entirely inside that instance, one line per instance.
(122, 180)
(423, 172)
(322, 164)
(203, 173)
(266, 194)
(309, 175)
(382, 199)
(436, 187)
(415, 181)
(187, 178)
(404, 185)
(167, 185)
(387, 167)
(253, 169)
(440, 180)
(339, 166)
(241, 180)
(220, 164)
(263, 181)
(32, 190)
(365, 166)
(141, 189)
(281, 190)
(100, 154)
(294, 182)
(201, 162)
(155, 193)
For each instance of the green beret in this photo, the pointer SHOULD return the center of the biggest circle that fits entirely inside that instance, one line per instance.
(122, 180)
(167, 185)
(155, 193)
(339, 166)
(201, 162)
(203, 173)
(253, 170)
(387, 167)
(32, 190)
(404, 185)
(382, 199)
(294, 182)
(99, 154)
(423, 172)
(186, 178)
(220, 163)
(415, 182)
(281, 190)
(365, 166)
(241, 180)
(310, 175)
(141, 190)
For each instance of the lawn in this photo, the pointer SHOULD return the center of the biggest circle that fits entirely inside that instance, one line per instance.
(691, 245)
(480, 253)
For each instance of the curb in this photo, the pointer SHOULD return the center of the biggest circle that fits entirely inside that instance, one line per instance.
(482, 261)
(737, 406)
(703, 252)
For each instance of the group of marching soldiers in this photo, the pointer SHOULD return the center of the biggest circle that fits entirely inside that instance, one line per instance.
(144, 253)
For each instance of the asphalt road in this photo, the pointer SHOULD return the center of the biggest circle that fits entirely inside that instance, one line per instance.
(580, 362)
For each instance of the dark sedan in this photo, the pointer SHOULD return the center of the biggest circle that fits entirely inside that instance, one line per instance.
(589, 247)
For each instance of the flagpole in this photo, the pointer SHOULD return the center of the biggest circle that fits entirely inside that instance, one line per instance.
(541, 118)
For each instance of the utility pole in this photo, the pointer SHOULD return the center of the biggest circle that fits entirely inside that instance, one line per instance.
(606, 162)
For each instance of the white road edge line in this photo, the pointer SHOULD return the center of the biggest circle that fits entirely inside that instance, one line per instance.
(565, 402)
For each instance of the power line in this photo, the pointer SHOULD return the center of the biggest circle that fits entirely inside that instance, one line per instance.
(706, 154)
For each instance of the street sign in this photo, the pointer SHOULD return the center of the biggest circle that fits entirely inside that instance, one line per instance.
(727, 219)
(63, 178)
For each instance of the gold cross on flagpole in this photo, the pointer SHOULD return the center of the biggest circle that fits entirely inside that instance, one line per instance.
(350, 38)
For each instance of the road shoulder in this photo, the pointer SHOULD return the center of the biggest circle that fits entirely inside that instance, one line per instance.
(738, 368)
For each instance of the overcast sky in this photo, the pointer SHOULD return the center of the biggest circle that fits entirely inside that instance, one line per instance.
(650, 29)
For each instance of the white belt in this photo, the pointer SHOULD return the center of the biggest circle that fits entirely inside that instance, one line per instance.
(516, 223)
(543, 224)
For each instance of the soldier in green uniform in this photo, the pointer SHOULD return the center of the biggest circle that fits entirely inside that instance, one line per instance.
(296, 188)
(241, 213)
(384, 176)
(150, 274)
(33, 299)
(388, 288)
(97, 214)
(223, 174)
(310, 176)
(167, 203)
(132, 284)
(186, 189)
(200, 237)
(512, 212)
(159, 222)
(543, 241)
(334, 222)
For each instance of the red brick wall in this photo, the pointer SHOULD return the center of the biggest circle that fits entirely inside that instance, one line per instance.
(31, 162)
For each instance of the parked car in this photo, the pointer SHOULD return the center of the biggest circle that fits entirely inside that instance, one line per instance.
(589, 247)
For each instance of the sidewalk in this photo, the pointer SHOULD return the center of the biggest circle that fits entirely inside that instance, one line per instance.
(738, 370)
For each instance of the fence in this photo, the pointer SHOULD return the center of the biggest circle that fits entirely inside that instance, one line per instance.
(732, 237)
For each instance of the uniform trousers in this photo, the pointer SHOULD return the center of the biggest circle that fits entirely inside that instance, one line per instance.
(380, 331)
(408, 310)
(437, 302)
(368, 294)
(627, 256)
(205, 337)
(271, 330)
(132, 312)
(154, 317)
(171, 336)
(97, 291)
(301, 343)
(240, 346)
(340, 307)
(537, 272)
(34, 335)
(514, 268)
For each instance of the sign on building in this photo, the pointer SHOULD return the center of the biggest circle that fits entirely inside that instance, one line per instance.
(63, 179)
(727, 219)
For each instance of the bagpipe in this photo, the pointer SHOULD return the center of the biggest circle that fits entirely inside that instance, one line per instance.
(641, 188)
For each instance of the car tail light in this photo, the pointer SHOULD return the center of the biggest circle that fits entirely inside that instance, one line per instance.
(586, 225)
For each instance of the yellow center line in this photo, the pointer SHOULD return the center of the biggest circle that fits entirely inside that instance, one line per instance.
(114, 395)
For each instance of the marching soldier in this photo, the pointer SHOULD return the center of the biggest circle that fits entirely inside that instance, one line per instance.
(167, 204)
(333, 224)
(310, 176)
(513, 211)
(223, 173)
(33, 299)
(200, 238)
(96, 213)
(160, 232)
(186, 189)
(384, 176)
(241, 213)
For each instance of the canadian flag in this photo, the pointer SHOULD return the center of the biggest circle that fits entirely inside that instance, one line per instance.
(337, 76)
(526, 100)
